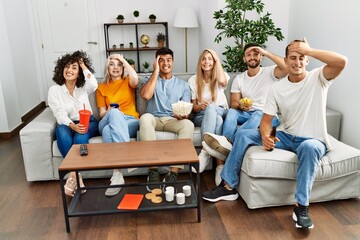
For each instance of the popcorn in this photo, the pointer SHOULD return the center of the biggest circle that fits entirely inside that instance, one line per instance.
(246, 102)
(182, 108)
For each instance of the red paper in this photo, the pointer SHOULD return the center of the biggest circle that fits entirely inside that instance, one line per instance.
(130, 201)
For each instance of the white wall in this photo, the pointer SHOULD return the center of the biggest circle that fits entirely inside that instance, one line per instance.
(18, 75)
(334, 28)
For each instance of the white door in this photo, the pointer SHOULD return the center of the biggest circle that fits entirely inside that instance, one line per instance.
(67, 26)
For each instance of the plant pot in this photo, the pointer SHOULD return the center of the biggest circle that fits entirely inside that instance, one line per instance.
(161, 43)
(152, 20)
(146, 70)
(120, 20)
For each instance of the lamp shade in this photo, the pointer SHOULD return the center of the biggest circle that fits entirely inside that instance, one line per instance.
(185, 18)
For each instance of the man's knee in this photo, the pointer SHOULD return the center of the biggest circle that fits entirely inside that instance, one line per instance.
(146, 119)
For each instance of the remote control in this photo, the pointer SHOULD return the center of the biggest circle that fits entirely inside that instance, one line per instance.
(83, 150)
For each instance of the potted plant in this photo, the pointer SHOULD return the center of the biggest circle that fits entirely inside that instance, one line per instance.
(120, 18)
(152, 18)
(160, 38)
(146, 66)
(232, 21)
(136, 15)
(131, 62)
(131, 45)
(121, 45)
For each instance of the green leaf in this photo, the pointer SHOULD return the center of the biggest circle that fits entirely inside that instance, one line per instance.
(233, 23)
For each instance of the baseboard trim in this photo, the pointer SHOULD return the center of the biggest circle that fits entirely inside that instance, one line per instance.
(25, 120)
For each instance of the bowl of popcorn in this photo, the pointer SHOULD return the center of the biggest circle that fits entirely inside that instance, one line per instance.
(246, 102)
(181, 108)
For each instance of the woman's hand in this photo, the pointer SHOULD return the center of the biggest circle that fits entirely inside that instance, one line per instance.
(79, 128)
(82, 64)
(204, 105)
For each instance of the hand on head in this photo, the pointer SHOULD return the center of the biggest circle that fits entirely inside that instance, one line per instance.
(300, 46)
(156, 63)
(81, 63)
(120, 57)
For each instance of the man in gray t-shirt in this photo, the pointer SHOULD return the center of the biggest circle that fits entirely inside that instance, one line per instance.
(161, 90)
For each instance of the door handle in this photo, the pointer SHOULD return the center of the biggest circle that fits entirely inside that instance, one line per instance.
(95, 43)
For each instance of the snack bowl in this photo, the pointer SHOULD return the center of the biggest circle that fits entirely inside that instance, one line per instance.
(246, 102)
(181, 108)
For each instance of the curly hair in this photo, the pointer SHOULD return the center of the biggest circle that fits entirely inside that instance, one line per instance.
(71, 58)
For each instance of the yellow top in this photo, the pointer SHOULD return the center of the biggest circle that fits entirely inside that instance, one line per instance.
(120, 92)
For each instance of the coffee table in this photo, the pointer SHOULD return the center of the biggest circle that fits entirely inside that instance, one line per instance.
(128, 155)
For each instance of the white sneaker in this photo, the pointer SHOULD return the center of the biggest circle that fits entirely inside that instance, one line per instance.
(218, 171)
(204, 160)
(217, 142)
(116, 179)
(213, 152)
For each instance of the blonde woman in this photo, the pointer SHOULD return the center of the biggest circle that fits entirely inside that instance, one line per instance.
(210, 103)
(115, 99)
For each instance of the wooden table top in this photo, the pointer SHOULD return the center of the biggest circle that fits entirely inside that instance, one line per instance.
(131, 154)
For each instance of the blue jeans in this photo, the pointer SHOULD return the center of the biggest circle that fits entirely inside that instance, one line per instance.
(115, 126)
(211, 119)
(308, 150)
(67, 137)
(247, 120)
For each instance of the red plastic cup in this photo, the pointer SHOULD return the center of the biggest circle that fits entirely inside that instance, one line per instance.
(85, 118)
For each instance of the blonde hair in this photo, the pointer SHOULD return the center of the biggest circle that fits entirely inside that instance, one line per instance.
(216, 74)
(107, 77)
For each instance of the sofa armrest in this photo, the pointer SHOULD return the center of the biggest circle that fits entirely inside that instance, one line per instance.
(36, 143)
(333, 119)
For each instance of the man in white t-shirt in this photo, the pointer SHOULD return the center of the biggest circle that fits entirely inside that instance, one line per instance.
(254, 84)
(301, 100)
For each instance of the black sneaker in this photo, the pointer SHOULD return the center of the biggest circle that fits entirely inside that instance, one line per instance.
(153, 177)
(170, 177)
(301, 217)
(220, 193)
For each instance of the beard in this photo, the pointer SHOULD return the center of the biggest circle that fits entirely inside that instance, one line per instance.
(253, 65)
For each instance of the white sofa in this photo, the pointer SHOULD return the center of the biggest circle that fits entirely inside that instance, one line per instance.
(267, 178)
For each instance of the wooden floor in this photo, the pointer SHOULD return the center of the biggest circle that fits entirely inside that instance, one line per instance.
(33, 210)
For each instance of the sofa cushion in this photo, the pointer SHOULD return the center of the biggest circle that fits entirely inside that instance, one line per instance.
(281, 164)
(159, 136)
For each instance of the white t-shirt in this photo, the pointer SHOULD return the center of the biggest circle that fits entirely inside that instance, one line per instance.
(302, 105)
(206, 95)
(255, 87)
(66, 107)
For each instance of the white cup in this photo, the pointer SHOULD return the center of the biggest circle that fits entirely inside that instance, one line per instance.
(180, 198)
(169, 195)
(170, 188)
(187, 190)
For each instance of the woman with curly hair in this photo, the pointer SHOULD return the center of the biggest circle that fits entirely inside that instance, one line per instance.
(66, 99)
(115, 98)
(207, 94)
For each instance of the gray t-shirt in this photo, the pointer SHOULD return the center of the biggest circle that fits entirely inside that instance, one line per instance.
(167, 92)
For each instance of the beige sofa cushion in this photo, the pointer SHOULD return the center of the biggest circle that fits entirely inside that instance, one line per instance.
(341, 161)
